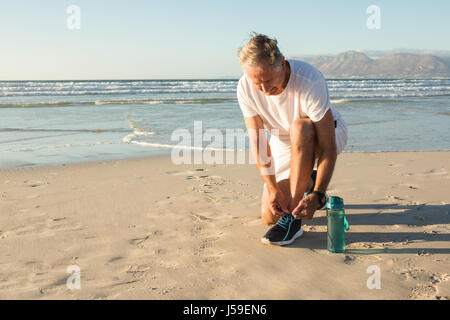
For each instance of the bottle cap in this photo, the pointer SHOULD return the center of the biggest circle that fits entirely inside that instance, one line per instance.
(335, 203)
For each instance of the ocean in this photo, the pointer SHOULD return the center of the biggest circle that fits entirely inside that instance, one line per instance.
(62, 122)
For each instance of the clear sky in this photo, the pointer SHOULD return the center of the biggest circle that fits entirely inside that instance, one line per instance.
(137, 39)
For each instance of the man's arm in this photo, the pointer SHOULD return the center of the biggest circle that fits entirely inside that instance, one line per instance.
(261, 150)
(260, 147)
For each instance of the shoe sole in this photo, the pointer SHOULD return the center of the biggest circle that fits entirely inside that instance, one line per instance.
(283, 243)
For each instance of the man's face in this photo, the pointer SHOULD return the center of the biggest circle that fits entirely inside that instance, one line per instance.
(266, 78)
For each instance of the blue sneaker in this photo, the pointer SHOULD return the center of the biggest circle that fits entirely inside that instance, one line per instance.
(284, 232)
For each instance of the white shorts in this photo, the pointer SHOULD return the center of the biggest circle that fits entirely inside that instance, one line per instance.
(281, 149)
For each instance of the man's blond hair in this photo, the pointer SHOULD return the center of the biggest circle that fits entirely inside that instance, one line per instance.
(260, 48)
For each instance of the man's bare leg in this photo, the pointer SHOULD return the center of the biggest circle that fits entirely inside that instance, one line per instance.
(303, 149)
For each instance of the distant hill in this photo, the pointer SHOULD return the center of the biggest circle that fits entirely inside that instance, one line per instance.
(356, 64)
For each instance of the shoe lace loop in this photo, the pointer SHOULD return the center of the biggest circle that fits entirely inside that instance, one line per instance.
(285, 220)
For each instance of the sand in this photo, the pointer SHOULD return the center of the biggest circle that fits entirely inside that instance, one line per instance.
(149, 229)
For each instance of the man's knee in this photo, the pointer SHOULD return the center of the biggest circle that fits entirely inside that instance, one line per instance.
(301, 131)
(268, 217)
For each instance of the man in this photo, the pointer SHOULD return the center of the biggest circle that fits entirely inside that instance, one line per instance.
(289, 96)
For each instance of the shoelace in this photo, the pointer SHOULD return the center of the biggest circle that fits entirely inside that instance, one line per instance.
(285, 220)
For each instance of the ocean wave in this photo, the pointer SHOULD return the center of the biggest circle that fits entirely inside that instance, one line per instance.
(46, 104)
(149, 87)
(66, 145)
(367, 122)
(62, 130)
(129, 139)
(37, 94)
(81, 88)
(340, 99)
(139, 131)
(443, 113)
(56, 104)
(165, 101)
(59, 93)
(385, 100)
(383, 97)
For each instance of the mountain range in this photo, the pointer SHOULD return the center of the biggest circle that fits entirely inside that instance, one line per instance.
(357, 64)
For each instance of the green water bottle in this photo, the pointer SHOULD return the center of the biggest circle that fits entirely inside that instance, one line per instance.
(337, 225)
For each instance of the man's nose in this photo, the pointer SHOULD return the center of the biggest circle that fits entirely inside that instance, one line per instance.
(265, 88)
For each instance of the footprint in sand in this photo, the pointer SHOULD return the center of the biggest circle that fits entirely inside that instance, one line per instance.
(437, 229)
(423, 292)
(210, 259)
(394, 198)
(432, 172)
(198, 217)
(440, 171)
(428, 289)
(139, 270)
(45, 228)
(198, 224)
(205, 250)
(160, 251)
(140, 241)
(409, 186)
(353, 259)
(416, 274)
(205, 184)
(395, 165)
(114, 259)
(209, 186)
(35, 183)
(185, 173)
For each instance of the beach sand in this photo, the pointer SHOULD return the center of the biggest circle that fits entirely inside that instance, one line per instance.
(146, 228)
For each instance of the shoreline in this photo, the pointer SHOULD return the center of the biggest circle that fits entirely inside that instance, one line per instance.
(168, 155)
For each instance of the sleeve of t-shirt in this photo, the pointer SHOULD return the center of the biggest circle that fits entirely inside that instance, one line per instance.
(317, 100)
(247, 108)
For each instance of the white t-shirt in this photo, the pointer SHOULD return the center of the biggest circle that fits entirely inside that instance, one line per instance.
(306, 90)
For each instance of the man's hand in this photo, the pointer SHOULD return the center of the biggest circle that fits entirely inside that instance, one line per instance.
(277, 202)
(306, 207)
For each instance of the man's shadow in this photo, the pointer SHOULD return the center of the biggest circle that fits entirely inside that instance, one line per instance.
(385, 215)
